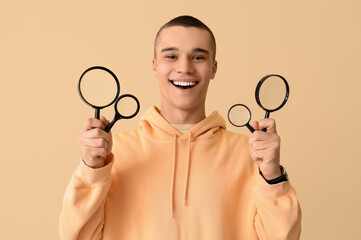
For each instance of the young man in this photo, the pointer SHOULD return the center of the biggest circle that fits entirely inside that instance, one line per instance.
(180, 175)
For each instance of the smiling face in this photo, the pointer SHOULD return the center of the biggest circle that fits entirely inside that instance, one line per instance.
(184, 65)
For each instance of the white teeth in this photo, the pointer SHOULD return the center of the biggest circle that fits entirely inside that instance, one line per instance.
(184, 84)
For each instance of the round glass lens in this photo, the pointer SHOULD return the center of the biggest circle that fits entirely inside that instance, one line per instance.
(98, 87)
(239, 115)
(272, 93)
(127, 106)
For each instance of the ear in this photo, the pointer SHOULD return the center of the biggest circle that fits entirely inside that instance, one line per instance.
(154, 67)
(214, 69)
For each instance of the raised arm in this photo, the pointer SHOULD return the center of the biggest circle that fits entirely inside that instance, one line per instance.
(278, 211)
(82, 216)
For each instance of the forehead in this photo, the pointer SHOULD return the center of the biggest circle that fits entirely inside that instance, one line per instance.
(184, 38)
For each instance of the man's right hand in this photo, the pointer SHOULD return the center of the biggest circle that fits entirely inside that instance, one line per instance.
(94, 143)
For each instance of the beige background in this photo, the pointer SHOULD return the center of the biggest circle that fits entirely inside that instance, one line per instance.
(46, 45)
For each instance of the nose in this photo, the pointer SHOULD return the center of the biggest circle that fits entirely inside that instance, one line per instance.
(185, 65)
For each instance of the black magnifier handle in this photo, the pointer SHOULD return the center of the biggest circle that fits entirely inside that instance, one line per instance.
(250, 127)
(115, 119)
(267, 114)
(97, 113)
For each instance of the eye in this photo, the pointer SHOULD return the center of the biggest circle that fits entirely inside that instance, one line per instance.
(170, 56)
(197, 58)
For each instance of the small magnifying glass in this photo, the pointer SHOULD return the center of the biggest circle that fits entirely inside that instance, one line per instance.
(126, 107)
(99, 88)
(239, 115)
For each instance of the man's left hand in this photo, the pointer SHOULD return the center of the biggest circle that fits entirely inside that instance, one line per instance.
(265, 148)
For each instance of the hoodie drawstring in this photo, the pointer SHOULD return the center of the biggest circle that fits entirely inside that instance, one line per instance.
(187, 174)
(173, 174)
(173, 177)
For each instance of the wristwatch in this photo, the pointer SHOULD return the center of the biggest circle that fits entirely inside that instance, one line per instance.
(282, 178)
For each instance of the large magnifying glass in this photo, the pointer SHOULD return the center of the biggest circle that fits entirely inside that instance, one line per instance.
(272, 93)
(99, 88)
(239, 115)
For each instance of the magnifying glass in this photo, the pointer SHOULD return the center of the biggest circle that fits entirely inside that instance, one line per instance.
(127, 106)
(239, 115)
(272, 93)
(99, 88)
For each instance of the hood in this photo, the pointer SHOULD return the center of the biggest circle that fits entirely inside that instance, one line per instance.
(154, 127)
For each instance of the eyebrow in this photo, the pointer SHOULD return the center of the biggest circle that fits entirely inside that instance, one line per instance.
(170, 49)
(177, 49)
(200, 50)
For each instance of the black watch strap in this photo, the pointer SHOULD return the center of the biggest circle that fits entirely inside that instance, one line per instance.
(282, 178)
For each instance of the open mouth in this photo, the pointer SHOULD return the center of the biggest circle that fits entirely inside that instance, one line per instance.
(184, 85)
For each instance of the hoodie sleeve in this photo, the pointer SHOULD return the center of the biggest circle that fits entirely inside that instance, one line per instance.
(82, 215)
(278, 211)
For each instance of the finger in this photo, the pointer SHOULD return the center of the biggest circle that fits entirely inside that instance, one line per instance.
(252, 152)
(96, 143)
(96, 133)
(258, 136)
(264, 137)
(255, 125)
(90, 153)
(266, 155)
(269, 124)
(91, 123)
(105, 121)
(263, 145)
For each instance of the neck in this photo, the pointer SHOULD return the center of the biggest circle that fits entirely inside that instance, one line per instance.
(182, 116)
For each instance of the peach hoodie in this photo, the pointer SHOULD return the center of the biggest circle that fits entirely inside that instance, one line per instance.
(161, 185)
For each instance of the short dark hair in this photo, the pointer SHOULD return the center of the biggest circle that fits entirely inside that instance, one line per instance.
(187, 21)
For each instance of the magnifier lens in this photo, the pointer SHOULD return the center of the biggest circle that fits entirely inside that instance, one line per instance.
(272, 93)
(239, 115)
(98, 87)
(127, 106)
